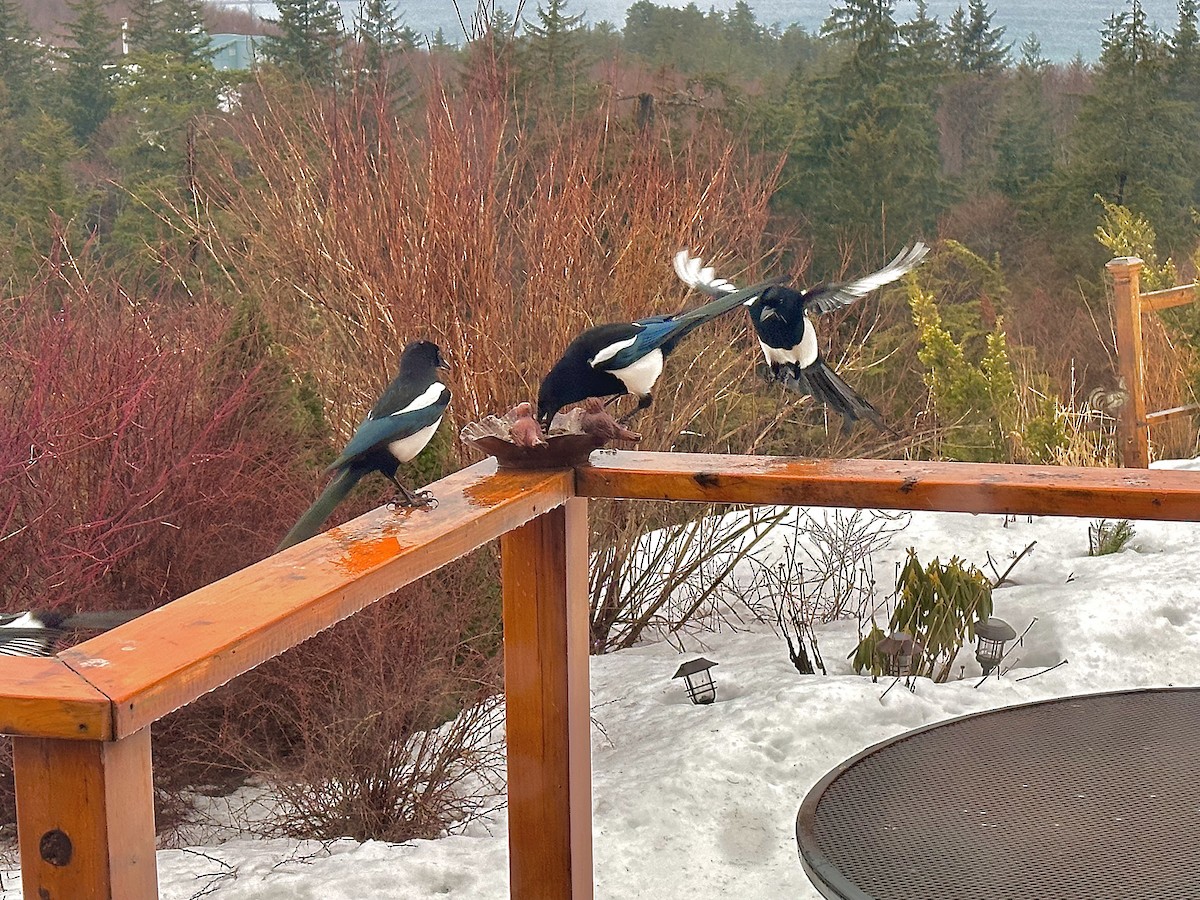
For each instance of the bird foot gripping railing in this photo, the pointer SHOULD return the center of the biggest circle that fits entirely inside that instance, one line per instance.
(81, 721)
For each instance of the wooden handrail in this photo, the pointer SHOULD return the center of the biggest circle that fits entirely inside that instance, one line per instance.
(172, 655)
(1181, 295)
(81, 722)
(894, 484)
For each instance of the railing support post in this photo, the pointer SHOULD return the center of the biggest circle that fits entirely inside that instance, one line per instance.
(85, 818)
(1132, 437)
(544, 570)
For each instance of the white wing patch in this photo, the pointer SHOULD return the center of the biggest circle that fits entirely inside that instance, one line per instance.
(431, 395)
(406, 448)
(692, 272)
(610, 351)
(639, 377)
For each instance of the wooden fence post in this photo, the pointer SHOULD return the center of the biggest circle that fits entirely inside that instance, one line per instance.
(544, 570)
(1132, 438)
(85, 818)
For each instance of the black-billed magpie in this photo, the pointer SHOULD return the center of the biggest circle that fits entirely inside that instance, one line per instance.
(781, 318)
(626, 357)
(395, 430)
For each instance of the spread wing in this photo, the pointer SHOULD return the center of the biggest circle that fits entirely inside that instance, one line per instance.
(829, 297)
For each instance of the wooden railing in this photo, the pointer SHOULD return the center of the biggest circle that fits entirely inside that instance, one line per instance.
(81, 722)
(1133, 421)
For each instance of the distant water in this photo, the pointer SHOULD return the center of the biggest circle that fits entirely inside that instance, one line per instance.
(1066, 28)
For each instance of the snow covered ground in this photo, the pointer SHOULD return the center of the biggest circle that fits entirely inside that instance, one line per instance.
(701, 801)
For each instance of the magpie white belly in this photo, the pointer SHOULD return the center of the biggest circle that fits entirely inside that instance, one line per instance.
(406, 448)
(803, 354)
(639, 377)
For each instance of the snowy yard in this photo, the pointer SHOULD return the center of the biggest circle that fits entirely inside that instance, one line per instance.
(701, 801)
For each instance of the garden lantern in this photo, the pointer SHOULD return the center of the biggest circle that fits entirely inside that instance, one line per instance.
(992, 636)
(898, 650)
(698, 678)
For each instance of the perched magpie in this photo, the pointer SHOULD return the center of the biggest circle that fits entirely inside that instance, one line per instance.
(781, 317)
(626, 357)
(395, 430)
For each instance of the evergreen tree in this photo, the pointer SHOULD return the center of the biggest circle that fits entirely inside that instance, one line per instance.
(21, 61)
(1183, 69)
(90, 64)
(307, 49)
(1025, 143)
(974, 45)
(552, 51)
(1032, 58)
(380, 34)
(924, 51)
(869, 27)
(1130, 144)
(40, 199)
(169, 26)
(865, 160)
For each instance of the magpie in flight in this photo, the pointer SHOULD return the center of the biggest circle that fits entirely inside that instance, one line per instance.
(626, 357)
(395, 430)
(782, 320)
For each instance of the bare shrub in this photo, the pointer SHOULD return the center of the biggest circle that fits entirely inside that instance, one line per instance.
(386, 726)
(824, 572)
(664, 581)
(499, 242)
(147, 446)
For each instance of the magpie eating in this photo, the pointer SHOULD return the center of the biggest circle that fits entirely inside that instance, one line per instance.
(626, 357)
(782, 320)
(395, 430)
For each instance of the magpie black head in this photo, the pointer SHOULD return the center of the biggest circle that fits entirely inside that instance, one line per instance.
(548, 400)
(774, 297)
(421, 356)
(49, 618)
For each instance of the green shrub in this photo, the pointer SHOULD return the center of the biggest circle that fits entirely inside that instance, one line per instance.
(938, 605)
(1105, 537)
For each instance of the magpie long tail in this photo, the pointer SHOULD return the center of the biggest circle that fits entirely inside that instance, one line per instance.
(310, 523)
(826, 386)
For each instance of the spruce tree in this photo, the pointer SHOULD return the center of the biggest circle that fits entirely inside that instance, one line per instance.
(21, 60)
(553, 50)
(89, 69)
(1183, 68)
(865, 162)
(169, 26)
(311, 36)
(380, 34)
(923, 56)
(1130, 142)
(975, 46)
(1025, 143)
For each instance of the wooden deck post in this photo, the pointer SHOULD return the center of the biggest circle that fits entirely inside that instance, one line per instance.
(85, 818)
(1132, 438)
(544, 569)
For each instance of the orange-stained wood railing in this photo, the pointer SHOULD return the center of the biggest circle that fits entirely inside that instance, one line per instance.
(81, 722)
(1130, 304)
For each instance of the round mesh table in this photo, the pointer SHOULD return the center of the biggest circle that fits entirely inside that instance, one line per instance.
(1090, 797)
